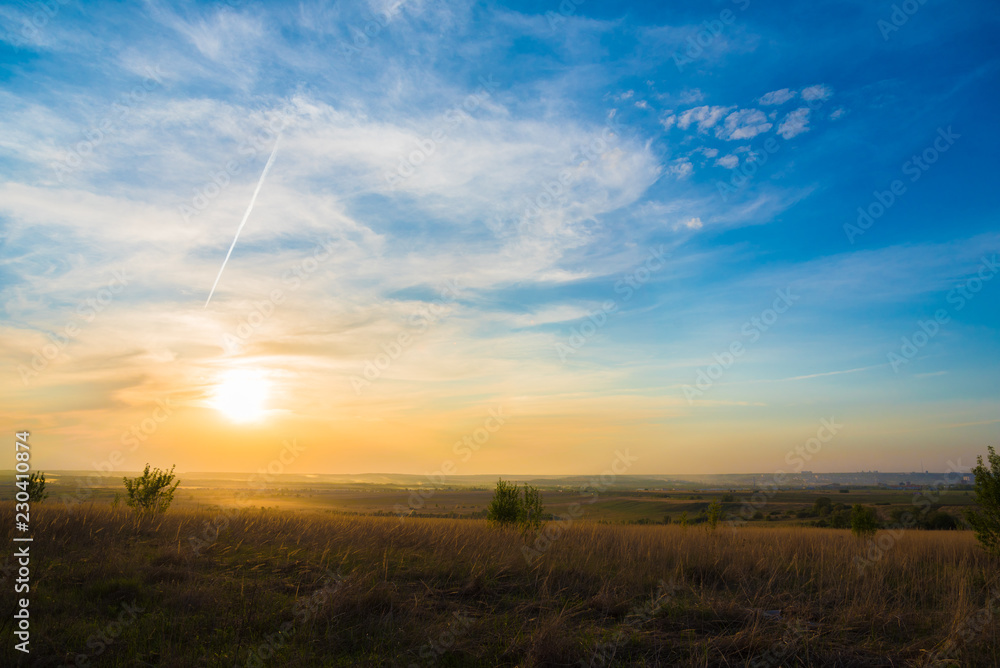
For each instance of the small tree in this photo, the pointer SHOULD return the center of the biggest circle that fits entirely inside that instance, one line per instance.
(822, 506)
(36, 487)
(151, 492)
(508, 507)
(985, 519)
(713, 514)
(505, 506)
(864, 521)
(531, 509)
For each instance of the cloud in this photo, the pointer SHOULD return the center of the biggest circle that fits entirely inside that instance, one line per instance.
(837, 113)
(817, 92)
(728, 161)
(691, 95)
(795, 123)
(777, 96)
(681, 168)
(692, 224)
(743, 124)
(705, 116)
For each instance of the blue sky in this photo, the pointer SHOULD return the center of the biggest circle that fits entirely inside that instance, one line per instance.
(542, 158)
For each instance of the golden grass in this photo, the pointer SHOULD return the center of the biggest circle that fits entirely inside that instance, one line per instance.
(754, 596)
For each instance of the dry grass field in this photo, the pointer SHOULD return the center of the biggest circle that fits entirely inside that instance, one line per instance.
(291, 589)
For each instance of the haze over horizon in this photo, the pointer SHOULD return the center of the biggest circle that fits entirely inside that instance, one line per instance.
(511, 236)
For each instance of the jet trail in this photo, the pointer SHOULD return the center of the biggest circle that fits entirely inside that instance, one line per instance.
(246, 215)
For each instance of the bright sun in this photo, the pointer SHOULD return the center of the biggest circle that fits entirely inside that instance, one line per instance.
(241, 395)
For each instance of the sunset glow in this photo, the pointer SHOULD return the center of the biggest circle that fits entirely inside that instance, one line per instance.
(614, 237)
(241, 396)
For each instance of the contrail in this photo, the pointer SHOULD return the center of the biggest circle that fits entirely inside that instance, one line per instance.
(246, 215)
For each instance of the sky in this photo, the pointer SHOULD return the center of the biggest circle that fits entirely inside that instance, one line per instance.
(524, 238)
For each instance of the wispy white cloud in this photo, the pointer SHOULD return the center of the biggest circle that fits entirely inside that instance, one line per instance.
(795, 123)
(817, 92)
(743, 124)
(705, 117)
(777, 96)
(728, 161)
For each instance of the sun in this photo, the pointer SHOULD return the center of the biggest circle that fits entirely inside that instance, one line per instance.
(241, 395)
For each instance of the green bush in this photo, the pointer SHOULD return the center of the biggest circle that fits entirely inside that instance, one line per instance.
(151, 492)
(864, 521)
(36, 487)
(509, 508)
(532, 510)
(985, 519)
(712, 514)
(822, 506)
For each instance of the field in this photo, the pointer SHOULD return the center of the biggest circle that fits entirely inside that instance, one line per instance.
(283, 587)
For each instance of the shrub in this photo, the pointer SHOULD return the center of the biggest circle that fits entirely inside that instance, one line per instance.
(532, 511)
(712, 514)
(985, 519)
(864, 521)
(505, 505)
(822, 506)
(36, 487)
(940, 521)
(151, 492)
(509, 508)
